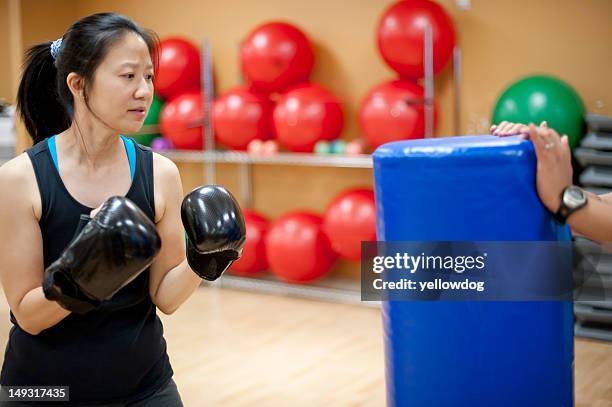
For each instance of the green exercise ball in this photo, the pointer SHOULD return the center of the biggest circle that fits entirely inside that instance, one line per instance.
(537, 98)
(145, 138)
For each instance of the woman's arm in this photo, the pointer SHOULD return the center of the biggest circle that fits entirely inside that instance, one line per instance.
(554, 174)
(172, 280)
(594, 221)
(21, 258)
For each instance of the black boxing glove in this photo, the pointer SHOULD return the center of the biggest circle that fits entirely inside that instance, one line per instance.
(215, 230)
(110, 251)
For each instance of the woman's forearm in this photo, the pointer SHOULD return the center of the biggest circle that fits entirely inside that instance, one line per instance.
(176, 287)
(594, 221)
(36, 313)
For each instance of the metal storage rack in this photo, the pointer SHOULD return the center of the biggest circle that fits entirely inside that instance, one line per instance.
(329, 289)
(593, 306)
(341, 290)
(595, 154)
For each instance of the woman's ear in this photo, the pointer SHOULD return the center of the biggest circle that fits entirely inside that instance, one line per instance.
(76, 85)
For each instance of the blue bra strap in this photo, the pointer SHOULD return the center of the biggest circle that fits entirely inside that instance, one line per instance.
(130, 149)
(53, 151)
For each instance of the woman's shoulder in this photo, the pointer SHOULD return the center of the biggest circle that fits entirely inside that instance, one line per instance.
(163, 166)
(17, 176)
(17, 169)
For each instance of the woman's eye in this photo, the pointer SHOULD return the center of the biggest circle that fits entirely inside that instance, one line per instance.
(128, 75)
(150, 77)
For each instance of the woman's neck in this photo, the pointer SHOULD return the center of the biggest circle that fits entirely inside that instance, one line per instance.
(91, 146)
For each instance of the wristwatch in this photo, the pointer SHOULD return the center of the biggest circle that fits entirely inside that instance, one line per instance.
(572, 199)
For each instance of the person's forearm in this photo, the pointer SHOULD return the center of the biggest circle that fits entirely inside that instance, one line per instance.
(176, 287)
(604, 197)
(594, 221)
(36, 313)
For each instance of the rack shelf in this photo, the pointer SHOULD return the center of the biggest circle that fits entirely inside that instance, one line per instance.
(327, 289)
(301, 159)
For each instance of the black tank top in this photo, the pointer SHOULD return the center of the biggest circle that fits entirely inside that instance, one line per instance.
(114, 353)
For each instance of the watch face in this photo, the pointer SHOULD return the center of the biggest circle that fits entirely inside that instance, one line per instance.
(574, 197)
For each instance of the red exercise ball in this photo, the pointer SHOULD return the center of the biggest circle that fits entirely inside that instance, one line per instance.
(392, 111)
(401, 32)
(178, 71)
(306, 114)
(349, 219)
(253, 258)
(181, 121)
(240, 116)
(298, 250)
(275, 56)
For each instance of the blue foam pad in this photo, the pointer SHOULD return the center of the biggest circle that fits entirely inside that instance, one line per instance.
(470, 353)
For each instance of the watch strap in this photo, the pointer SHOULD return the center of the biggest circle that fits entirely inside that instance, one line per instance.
(562, 213)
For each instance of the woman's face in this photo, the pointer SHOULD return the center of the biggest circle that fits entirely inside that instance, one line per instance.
(122, 88)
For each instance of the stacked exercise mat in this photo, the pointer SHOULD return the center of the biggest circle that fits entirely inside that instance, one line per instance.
(593, 273)
(595, 155)
(7, 132)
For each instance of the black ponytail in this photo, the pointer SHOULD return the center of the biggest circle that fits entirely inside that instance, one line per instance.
(44, 100)
(37, 98)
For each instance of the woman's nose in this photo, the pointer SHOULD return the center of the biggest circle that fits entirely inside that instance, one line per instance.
(144, 90)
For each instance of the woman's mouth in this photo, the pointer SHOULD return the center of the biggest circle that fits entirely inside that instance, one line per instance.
(141, 113)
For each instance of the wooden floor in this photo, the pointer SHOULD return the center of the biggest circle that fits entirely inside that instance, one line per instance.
(233, 348)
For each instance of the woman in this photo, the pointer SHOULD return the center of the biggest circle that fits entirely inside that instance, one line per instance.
(587, 214)
(76, 97)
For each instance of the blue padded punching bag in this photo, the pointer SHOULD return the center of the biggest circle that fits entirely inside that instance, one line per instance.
(470, 353)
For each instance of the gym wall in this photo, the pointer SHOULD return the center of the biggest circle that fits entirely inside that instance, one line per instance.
(501, 40)
(6, 83)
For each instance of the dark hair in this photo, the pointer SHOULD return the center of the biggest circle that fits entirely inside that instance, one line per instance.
(44, 100)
